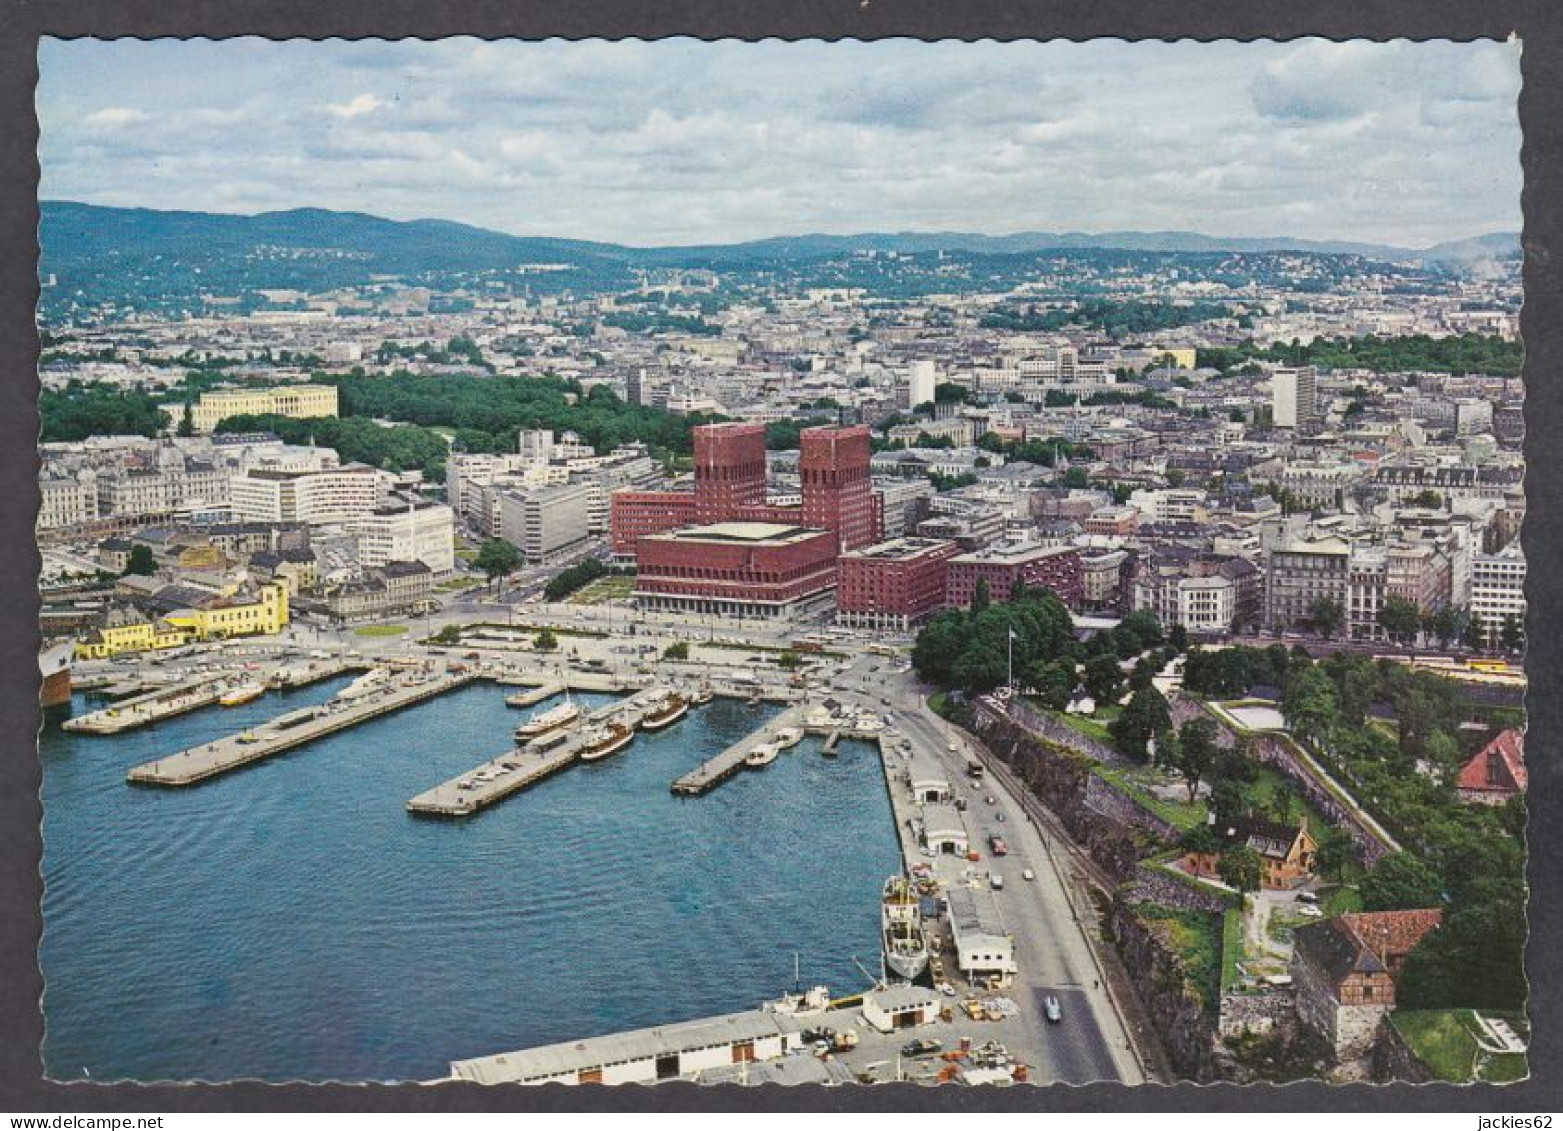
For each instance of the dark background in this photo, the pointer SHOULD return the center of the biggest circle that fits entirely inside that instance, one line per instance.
(1538, 24)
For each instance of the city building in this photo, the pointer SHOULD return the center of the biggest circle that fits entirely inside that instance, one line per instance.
(298, 401)
(547, 523)
(1301, 572)
(414, 530)
(737, 569)
(1496, 772)
(336, 495)
(1294, 394)
(1007, 564)
(1498, 590)
(188, 616)
(894, 585)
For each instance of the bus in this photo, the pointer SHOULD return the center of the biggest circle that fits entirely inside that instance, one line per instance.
(974, 770)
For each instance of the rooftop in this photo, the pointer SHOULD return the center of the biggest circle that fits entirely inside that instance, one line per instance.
(746, 533)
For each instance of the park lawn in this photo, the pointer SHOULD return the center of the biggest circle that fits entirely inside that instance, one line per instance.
(615, 587)
(1445, 1041)
(380, 630)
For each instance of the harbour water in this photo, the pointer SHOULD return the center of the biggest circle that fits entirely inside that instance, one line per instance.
(292, 921)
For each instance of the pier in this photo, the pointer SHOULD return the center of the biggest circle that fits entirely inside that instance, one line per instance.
(291, 730)
(494, 781)
(714, 771)
(152, 706)
(535, 696)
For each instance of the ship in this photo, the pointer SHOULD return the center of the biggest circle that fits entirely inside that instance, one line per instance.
(366, 684)
(54, 666)
(901, 923)
(242, 693)
(551, 719)
(762, 755)
(601, 741)
(665, 712)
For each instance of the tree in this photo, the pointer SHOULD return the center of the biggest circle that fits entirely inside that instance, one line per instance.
(789, 661)
(1053, 682)
(1145, 717)
(1201, 838)
(678, 650)
(1242, 868)
(186, 422)
(1443, 623)
(497, 558)
(1178, 638)
(1103, 679)
(1401, 882)
(1309, 704)
(1511, 634)
(1475, 631)
(141, 562)
(1328, 616)
(980, 598)
(1194, 754)
(546, 641)
(1400, 618)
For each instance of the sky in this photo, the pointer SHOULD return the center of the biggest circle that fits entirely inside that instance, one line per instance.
(681, 141)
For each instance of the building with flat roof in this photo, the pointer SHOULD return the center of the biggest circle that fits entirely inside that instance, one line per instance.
(412, 531)
(984, 949)
(894, 585)
(547, 523)
(737, 569)
(334, 495)
(1002, 566)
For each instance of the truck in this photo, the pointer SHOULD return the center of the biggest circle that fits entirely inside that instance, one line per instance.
(974, 770)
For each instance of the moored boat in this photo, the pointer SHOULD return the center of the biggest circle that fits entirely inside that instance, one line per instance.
(605, 740)
(901, 926)
(366, 684)
(54, 665)
(703, 693)
(788, 737)
(762, 755)
(665, 712)
(551, 719)
(244, 693)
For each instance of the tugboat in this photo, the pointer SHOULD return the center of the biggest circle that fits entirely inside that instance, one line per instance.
(901, 922)
(665, 712)
(551, 719)
(243, 693)
(605, 740)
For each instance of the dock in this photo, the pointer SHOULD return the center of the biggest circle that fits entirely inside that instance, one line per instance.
(292, 730)
(494, 781)
(714, 771)
(152, 706)
(535, 696)
(289, 677)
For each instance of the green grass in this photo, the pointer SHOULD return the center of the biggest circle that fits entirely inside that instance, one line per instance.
(1196, 936)
(1272, 783)
(614, 587)
(1094, 728)
(457, 584)
(1134, 781)
(1445, 1041)
(467, 555)
(380, 630)
(1341, 901)
(1231, 946)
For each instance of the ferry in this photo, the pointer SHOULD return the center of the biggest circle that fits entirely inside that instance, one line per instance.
(243, 693)
(762, 755)
(901, 924)
(605, 740)
(551, 719)
(665, 712)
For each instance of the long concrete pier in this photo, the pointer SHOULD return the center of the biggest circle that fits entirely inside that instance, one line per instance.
(714, 771)
(495, 780)
(152, 706)
(292, 730)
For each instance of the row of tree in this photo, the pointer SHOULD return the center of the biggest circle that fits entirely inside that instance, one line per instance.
(1406, 622)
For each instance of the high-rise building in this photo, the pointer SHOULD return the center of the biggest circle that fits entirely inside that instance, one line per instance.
(921, 383)
(729, 470)
(833, 464)
(1294, 394)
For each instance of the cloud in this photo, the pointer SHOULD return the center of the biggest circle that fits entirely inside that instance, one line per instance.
(685, 141)
(356, 107)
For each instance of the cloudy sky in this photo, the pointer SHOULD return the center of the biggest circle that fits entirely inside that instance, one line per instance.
(681, 141)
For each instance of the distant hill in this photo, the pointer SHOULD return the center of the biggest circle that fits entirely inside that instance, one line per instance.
(139, 252)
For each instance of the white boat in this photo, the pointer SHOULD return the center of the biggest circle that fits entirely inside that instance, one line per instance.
(243, 693)
(702, 694)
(788, 737)
(551, 719)
(762, 755)
(901, 926)
(366, 684)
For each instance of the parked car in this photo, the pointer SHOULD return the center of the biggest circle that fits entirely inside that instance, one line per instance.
(1307, 897)
(1052, 1010)
(923, 1046)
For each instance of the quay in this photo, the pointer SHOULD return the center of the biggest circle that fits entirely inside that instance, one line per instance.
(291, 730)
(816, 721)
(152, 706)
(535, 696)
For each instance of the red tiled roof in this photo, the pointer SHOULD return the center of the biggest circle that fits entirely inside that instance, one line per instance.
(1498, 767)
(1391, 932)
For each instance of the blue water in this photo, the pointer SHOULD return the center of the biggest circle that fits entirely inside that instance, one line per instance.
(292, 921)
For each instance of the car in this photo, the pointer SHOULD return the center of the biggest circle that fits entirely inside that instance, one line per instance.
(923, 1046)
(991, 800)
(998, 816)
(1307, 897)
(1027, 874)
(1052, 1010)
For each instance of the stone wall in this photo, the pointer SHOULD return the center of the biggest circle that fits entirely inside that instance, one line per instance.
(1393, 1059)
(1187, 1030)
(1110, 801)
(1046, 726)
(1151, 883)
(1258, 1011)
(1061, 779)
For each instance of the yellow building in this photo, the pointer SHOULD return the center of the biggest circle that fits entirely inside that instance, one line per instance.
(299, 401)
(1177, 357)
(128, 630)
